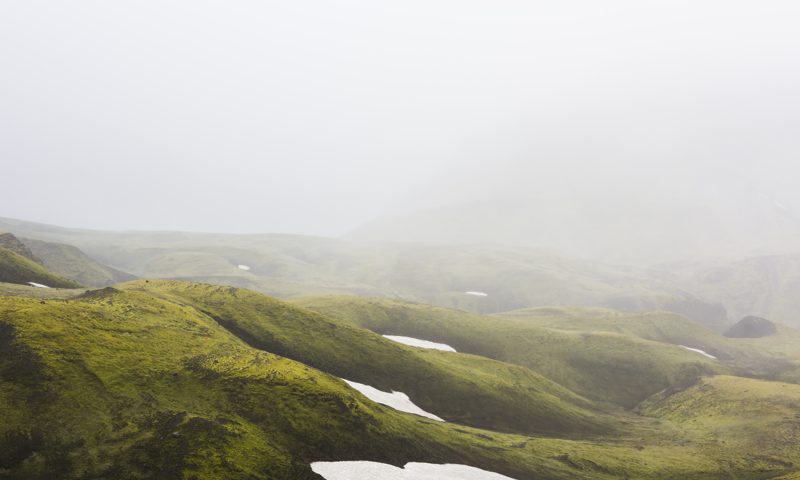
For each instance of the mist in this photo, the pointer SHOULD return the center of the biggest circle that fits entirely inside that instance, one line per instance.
(352, 239)
(327, 117)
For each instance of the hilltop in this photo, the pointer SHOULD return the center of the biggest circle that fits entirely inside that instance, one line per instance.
(172, 379)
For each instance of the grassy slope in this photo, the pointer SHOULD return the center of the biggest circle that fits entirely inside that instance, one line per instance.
(605, 366)
(10, 241)
(757, 419)
(127, 385)
(72, 263)
(784, 344)
(746, 357)
(458, 387)
(17, 290)
(14, 268)
(658, 326)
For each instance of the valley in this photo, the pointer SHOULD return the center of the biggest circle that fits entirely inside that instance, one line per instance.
(184, 379)
(399, 240)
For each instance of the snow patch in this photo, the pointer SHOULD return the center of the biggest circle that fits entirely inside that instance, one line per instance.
(243, 267)
(397, 400)
(477, 294)
(415, 342)
(34, 284)
(362, 470)
(697, 350)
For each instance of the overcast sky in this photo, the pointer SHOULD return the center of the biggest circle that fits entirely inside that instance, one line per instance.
(316, 116)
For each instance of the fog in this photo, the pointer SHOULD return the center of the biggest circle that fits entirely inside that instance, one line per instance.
(321, 117)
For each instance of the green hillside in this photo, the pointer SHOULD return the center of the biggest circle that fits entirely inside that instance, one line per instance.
(18, 290)
(756, 418)
(661, 326)
(457, 387)
(14, 268)
(70, 262)
(743, 356)
(175, 380)
(11, 242)
(604, 366)
(122, 384)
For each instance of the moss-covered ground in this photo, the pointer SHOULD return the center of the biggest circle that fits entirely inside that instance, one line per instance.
(177, 380)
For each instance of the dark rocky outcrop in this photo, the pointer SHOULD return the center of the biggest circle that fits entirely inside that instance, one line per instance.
(751, 327)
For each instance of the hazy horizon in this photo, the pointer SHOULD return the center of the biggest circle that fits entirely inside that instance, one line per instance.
(359, 240)
(320, 117)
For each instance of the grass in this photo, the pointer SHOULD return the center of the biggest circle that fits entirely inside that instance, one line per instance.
(14, 268)
(11, 242)
(758, 419)
(17, 290)
(464, 388)
(605, 366)
(666, 327)
(775, 356)
(123, 383)
(157, 380)
(69, 262)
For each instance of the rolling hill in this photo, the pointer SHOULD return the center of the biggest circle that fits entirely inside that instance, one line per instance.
(15, 268)
(756, 418)
(56, 265)
(11, 242)
(601, 365)
(750, 358)
(457, 387)
(179, 397)
(293, 265)
(168, 379)
(72, 263)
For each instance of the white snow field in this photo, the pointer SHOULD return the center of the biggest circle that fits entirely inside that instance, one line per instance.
(243, 267)
(416, 342)
(34, 284)
(362, 470)
(477, 294)
(697, 350)
(397, 400)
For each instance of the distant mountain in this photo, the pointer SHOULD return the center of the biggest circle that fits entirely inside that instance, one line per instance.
(764, 286)
(715, 293)
(614, 227)
(477, 278)
(613, 191)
